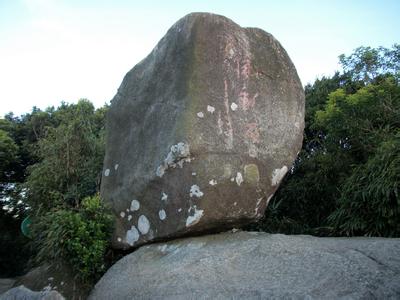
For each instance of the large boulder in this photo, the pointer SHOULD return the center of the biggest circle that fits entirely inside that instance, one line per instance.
(201, 131)
(246, 265)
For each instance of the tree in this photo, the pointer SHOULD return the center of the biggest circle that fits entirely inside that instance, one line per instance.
(351, 119)
(366, 64)
(71, 158)
(365, 126)
(49, 161)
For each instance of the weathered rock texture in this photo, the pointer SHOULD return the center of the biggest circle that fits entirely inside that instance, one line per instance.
(42, 280)
(22, 293)
(257, 266)
(201, 131)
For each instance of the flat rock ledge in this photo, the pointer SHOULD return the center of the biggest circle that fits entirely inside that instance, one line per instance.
(253, 265)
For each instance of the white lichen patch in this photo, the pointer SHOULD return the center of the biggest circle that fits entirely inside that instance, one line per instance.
(253, 151)
(194, 174)
(132, 235)
(234, 106)
(195, 218)
(235, 203)
(178, 154)
(122, 214)
(200, 114)
(179, 210)
(195, 191)
(160, 171)
(143, 224)
(116, 167)
(212, 182)
(135, 205)
(119, 240)
(47, 288)
(164, 196)
(163, 248)
(168, 248)
(107, 172)
(278, 174)
(210, 109)
(129, 217)
(239, 178)
(162, 214)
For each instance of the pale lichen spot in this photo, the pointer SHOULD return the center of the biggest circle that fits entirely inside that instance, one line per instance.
(200, 114)
(129, 217)
(143, 224)
(278, 174)
(195, 218)
(233, 179)
(179, 210)
(253, 151)
(119, 240)
(234, 106)
(162, 214)
(235, 203)
(195, 191)
(164, 196)
(194, 174)
(212, 182)
(122, 214)
(178, 154)
(116, 167)
(210, 109)
(239, 178)
(107, 172)
(160, 171)
(132, 235)
(163, 248)
(135, 205)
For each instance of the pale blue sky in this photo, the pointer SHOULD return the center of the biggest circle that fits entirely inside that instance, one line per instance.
(54, 50)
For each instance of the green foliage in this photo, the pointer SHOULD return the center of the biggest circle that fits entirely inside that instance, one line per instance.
(77, 237)
(366, 64)
(50, 161)
(8, 155)
(71, 158)
(369, 203)
(344, 180)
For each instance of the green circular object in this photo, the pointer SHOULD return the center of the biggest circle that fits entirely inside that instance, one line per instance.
(25, 227)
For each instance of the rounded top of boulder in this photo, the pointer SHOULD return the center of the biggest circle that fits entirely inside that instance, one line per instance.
(201, 132)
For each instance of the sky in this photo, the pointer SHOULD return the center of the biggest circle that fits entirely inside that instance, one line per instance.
(64, 50)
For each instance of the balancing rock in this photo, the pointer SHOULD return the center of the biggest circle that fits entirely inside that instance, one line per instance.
(201, 132)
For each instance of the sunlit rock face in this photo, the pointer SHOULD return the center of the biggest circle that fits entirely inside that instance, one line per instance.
(201, 132)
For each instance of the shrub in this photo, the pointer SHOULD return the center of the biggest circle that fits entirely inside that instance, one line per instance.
(78, 237)
(370, 200)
